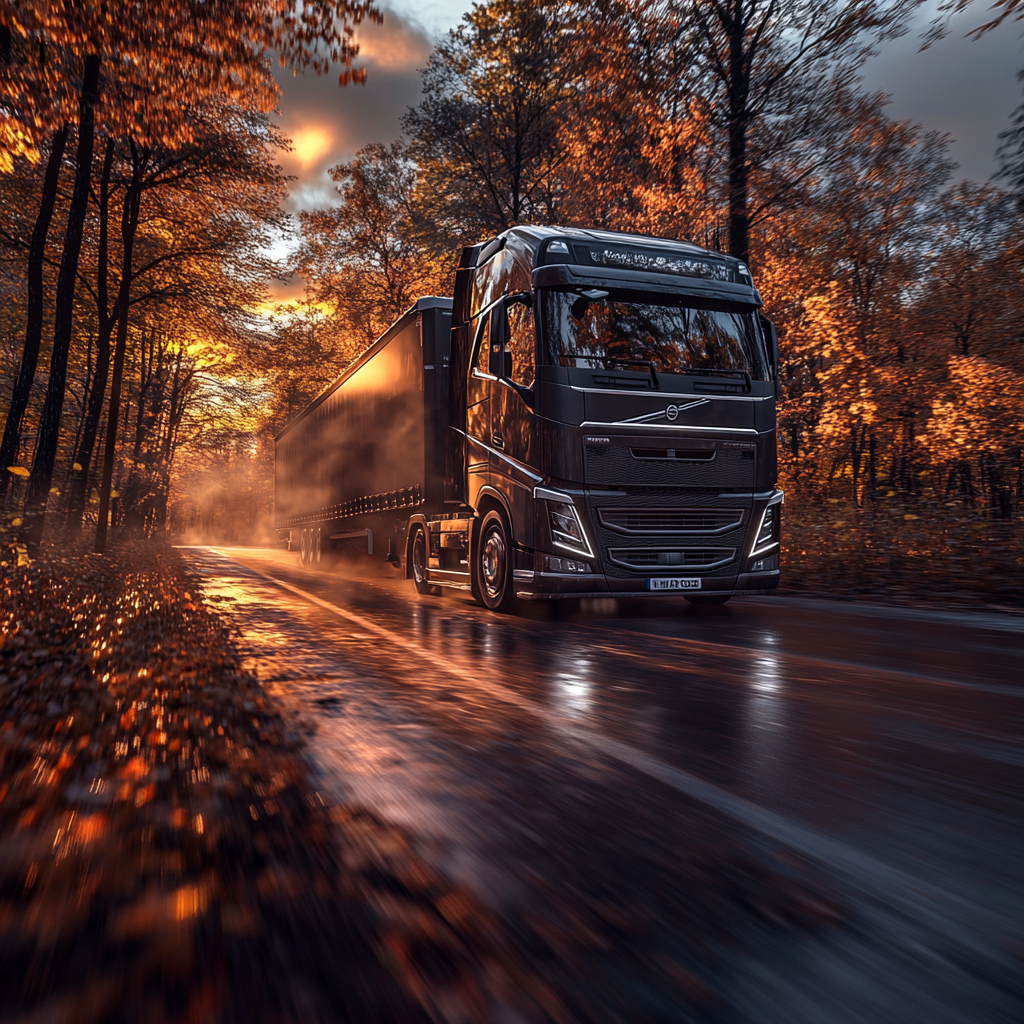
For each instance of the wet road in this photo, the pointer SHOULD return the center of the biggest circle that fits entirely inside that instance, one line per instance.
(781, 810)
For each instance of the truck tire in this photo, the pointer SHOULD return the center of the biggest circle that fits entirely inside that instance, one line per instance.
(418, 563)
(492, 563)
(707, 600)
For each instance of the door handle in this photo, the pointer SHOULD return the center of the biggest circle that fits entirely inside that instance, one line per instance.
(497, 440)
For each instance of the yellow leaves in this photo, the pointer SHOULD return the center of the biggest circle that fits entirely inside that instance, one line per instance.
(77, 467)
(18, 471)
(983, 413)
(15, 142)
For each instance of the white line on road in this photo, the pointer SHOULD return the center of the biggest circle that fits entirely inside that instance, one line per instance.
(918, 900)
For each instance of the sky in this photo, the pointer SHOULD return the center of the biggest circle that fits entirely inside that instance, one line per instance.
(964, 87)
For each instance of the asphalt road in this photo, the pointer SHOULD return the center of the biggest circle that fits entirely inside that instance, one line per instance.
(780, 810)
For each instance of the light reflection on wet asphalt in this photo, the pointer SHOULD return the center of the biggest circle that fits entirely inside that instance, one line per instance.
(894, 735)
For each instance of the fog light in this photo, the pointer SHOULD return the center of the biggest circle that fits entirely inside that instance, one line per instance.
(565, 565)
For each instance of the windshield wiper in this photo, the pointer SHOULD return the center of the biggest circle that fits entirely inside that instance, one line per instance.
(633, 362)
(734, 374)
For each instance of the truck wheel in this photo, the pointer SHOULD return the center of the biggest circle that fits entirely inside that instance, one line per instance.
(492, 564)
(418, 563)
(707, 600)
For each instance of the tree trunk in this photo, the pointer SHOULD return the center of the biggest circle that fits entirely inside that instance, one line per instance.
(34, 319)
(738, 98)
(49, 427)
(129, 224)
(107, 320)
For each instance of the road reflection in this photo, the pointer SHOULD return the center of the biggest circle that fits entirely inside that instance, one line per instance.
(572, 684)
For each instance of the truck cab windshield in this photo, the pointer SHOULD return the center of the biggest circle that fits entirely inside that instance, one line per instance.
(673, 336)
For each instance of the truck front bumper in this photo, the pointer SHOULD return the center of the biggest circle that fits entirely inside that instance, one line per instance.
(548, 586)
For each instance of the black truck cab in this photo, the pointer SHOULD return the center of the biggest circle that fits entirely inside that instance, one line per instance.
(611, 421)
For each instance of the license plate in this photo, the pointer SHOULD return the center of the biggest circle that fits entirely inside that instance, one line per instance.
(674, 584)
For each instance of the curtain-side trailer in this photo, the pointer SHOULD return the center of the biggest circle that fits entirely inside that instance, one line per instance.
(368, 451)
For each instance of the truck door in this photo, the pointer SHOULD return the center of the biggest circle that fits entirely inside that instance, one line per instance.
(478, 409)
(512, 417)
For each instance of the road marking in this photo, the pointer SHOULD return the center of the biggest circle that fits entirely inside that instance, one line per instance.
(896, 888)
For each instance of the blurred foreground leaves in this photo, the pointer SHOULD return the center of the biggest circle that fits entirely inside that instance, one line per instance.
(162, 856)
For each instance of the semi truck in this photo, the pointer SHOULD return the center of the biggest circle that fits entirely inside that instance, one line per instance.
(591, 415)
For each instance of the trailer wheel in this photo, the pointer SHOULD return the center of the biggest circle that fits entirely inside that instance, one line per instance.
(316, 547)
(419, 564)
(304, 547)
(707, 600)
(492, 563)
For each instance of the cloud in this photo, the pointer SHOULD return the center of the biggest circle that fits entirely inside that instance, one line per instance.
(328, 124)
(965, 87)
(396, 45)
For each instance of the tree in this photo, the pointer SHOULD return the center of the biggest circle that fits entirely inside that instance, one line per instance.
(367, 258)
(34, 311)
(857, 256)
(208, 203)
(189, 50)
(748, 55)
(484, 137)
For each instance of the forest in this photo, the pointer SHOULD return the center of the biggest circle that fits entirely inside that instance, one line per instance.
(144, 372)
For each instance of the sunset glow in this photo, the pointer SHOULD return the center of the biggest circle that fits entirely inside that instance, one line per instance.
(310, 144)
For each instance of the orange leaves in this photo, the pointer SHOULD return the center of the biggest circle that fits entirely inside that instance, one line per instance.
(136, 768)
(164, 58)
(90, 827)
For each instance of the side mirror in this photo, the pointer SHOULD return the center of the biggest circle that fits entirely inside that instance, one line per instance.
(499, 338)
(772, 338)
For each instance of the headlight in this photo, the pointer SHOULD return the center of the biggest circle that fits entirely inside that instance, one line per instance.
(567, 529)
(564, 524)
(768, 532)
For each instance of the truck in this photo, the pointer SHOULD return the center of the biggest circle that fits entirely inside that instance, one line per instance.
(592, 414)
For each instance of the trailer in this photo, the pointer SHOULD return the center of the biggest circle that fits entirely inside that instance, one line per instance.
(368, 452)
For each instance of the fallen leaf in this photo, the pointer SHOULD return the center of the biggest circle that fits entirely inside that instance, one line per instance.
(136, 768)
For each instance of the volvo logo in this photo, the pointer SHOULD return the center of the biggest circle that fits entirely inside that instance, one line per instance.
(670, 413)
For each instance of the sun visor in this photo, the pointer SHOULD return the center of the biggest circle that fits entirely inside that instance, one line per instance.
(742, 297)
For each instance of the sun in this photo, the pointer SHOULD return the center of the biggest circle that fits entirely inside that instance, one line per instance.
(310, 144)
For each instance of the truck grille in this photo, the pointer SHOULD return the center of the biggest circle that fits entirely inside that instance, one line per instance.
(698, 559)
(670, 520)
(646, 531)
